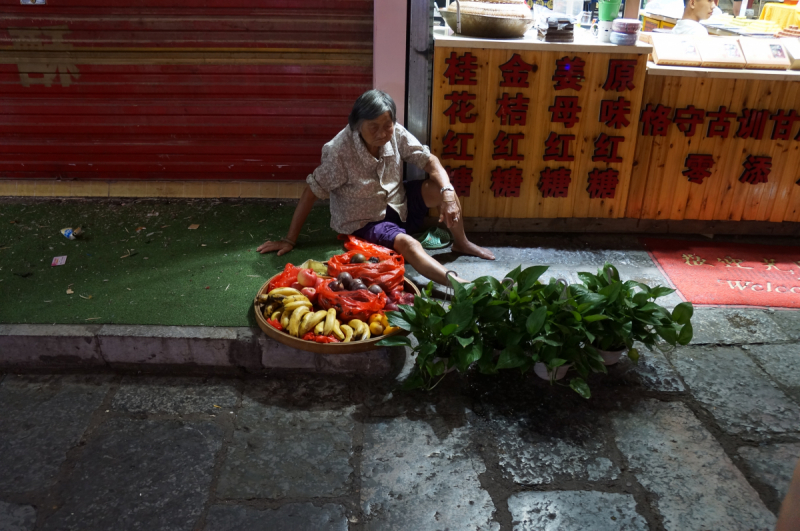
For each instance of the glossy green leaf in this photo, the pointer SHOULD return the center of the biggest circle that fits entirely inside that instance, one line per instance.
(396, 319)
(510, 358)
(686, 334)
(536, 320)
(682, 313)
(465, 341)
(580, 387)
(596, 317)
(660, 291)
(394, 341)
(449, 329)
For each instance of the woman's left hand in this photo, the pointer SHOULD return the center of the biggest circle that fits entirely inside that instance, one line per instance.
(450, 211)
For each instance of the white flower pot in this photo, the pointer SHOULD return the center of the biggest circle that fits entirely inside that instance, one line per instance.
(610, 357)
(541, 371)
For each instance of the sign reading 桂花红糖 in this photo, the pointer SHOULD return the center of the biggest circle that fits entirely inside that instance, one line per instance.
(536, 134)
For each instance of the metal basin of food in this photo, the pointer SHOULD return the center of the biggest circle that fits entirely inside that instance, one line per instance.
(488, 26)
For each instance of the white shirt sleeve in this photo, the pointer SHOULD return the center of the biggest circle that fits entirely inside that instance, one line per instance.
(690, 27)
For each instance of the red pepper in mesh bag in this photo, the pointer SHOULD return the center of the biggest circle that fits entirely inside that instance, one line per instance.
(359, 304)
(285, 279)
(388, 273)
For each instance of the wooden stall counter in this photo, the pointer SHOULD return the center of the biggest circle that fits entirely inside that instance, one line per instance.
(717, 144)
(528, 129)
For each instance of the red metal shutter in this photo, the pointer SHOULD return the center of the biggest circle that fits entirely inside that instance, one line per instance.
(181, 90)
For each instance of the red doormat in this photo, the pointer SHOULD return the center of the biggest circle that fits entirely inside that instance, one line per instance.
(730, 274)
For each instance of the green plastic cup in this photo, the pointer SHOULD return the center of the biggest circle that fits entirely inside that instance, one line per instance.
(608, 10)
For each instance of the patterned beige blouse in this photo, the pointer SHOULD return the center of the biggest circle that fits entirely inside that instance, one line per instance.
(360, 186)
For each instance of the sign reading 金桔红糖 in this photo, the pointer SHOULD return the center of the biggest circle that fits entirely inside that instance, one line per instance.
(533, 134)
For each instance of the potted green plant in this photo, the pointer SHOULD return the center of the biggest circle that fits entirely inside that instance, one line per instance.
(513, 324)
(630, 314)
(447, 337)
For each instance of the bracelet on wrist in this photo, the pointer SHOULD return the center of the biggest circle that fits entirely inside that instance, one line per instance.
(290, 242)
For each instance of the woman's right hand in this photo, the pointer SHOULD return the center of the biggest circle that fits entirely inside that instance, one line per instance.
(281, 246)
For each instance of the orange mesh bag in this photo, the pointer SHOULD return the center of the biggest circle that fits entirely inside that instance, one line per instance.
(388, 273)
(358, 304)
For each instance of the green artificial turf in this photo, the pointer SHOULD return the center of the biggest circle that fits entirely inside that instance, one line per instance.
(165, 274)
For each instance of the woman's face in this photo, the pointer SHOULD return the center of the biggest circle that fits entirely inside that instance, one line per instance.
(378, 131)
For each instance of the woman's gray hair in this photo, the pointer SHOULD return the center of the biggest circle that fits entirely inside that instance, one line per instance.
(369, 106)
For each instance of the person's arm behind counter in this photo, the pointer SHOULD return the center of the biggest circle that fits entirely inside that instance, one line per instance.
(284, 245)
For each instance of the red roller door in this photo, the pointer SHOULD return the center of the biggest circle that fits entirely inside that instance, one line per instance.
(201, 89)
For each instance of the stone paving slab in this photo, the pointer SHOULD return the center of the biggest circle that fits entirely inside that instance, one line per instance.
(531, 454)
(696, 486)
(724, 326)
(773, 464)
(575, 511)
(42, 418)
(548, 250)
(718, 378)
(290, 517)
(175, 396)
(140, 474)
(654, 371)
(781, 362)
(17, 517)
(422, 475)
(788, 320)
(280, 452)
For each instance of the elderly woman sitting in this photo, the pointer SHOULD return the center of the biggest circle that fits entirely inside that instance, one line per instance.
(362, 174)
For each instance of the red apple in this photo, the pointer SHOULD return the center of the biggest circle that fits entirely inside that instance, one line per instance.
(297, 286)
(307, 278)
(320, 280)
(311, 293)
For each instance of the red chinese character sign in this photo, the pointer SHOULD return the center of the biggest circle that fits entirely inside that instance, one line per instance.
(515, 72)
(569, 73)
(697, 168)
(517, 127)
(603, 183)
(554, 182)
(621, 74)
(506, 182)
(461, 179)
(461, 69)
(713, 148)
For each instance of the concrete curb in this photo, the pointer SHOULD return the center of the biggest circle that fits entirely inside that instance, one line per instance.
(39, 346)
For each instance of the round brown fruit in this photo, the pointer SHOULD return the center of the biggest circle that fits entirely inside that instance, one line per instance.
(376, 289)
(358, 259)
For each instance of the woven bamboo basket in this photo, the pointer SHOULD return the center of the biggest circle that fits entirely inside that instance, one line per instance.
(322, 348)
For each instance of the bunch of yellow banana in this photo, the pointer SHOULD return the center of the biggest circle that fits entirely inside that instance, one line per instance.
(287, 306)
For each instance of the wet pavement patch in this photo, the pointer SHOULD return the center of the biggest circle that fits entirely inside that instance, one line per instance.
(143, 474)
(562, 510)
(279, 452)
(290, 517)
(422, 475)
(572, 449)
(17, 517)
(782, 363)
(176, 396)
(696, 485)
(42, 418)
(725, 326)
(773, 464)
(717, 376)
